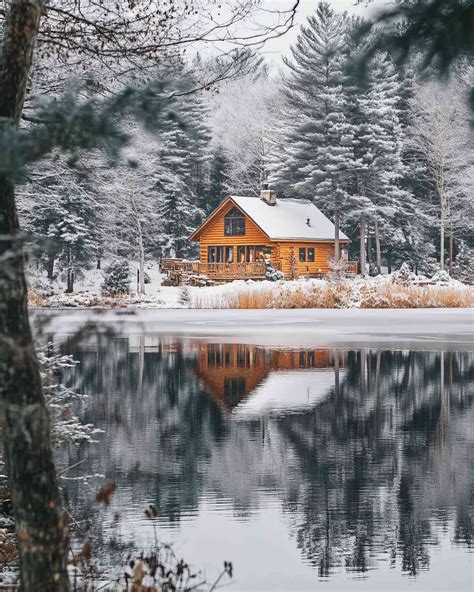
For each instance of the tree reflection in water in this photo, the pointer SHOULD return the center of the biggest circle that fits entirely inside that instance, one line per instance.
(373, 461)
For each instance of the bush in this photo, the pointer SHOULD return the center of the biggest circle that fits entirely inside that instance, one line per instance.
(272, 274)
(116, 278)
(404, 276)
(441, 277)
(185, 297)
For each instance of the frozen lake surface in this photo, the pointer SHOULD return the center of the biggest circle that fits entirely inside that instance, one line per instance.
(310, 448)
(280, 327)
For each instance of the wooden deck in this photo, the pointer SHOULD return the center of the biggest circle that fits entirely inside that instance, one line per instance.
(181, 269)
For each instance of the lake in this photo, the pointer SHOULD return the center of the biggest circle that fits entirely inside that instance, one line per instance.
(338, 466)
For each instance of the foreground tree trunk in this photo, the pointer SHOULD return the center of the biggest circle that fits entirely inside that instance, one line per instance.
(39, 520)
(363, 257)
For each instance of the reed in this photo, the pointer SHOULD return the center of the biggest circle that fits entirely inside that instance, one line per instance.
(339, 295)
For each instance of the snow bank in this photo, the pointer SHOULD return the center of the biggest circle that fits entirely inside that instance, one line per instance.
(402, 289)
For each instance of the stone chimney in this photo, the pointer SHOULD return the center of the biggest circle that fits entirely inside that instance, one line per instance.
(268, 195)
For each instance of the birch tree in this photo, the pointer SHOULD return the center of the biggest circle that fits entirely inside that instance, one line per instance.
(441, 135)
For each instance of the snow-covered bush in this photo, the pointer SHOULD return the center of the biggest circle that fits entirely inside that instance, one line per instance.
(441, 277)
(185, 297)
(403, 276)
(116, 278)
(41, 285)
(272, 274)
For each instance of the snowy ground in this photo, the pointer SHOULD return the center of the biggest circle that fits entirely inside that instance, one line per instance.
(276, 294)
(440, 328)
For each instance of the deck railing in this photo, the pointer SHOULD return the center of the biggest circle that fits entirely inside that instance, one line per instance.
(217, 270)
(255, 269)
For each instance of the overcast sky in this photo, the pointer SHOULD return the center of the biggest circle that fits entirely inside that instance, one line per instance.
(275, 48)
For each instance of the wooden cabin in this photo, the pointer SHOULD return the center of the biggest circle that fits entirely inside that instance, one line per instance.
(243, 232)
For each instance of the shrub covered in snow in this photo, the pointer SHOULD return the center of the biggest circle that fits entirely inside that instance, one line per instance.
(184, 296)
(116, 278)
(41, 286)
(404, 276)
(272, 274)
(441, 277)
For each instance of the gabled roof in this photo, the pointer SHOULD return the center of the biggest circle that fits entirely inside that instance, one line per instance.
(286, 220)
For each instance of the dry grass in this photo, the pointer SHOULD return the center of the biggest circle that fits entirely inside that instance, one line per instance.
(396, 296)
(340, 295)
(324, 296)
(35, 300)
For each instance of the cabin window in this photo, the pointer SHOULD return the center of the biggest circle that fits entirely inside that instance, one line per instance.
(250, 254)
(229, 254)
(214, 356)
(243, 356)
(241, 254)
(302, 254)
(234, 223)
(311, 255)
(215, 254)
(262, 253)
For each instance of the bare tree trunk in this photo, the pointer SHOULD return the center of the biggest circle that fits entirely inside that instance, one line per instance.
(378, 251)
(39, 519)
(441, 246)
(451, 241)
(141, 248)
(50, 269)
(70, 274)
(337, 248)
(363, 258)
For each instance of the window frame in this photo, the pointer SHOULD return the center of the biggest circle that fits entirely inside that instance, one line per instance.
(302, 254)
(311, 255)
(234, 223)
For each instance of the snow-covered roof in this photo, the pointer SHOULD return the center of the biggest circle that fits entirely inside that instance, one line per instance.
(287, 391)
(287, 219)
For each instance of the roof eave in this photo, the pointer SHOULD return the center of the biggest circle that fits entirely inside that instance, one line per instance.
(305, 239)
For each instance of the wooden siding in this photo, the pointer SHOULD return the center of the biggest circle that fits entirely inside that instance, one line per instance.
(322, 253)
(213, 234)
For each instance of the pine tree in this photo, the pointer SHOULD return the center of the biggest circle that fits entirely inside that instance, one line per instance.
(65, 224)
(218, 178)
(117, 278)
(314, 149)
(380, 145)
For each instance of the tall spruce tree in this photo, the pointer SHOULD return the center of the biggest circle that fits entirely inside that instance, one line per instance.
(179, 210)
(314, 148)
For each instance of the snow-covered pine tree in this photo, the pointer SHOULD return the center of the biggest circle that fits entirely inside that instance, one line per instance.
(195, 112)
(179, 212)
(65, 220)
(380, 145)
(218, 179)
(313, 153)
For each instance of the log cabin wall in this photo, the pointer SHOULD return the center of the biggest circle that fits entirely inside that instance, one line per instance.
(213, 235)
(322, 253)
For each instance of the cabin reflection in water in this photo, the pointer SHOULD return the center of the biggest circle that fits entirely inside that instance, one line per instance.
(248, 378)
